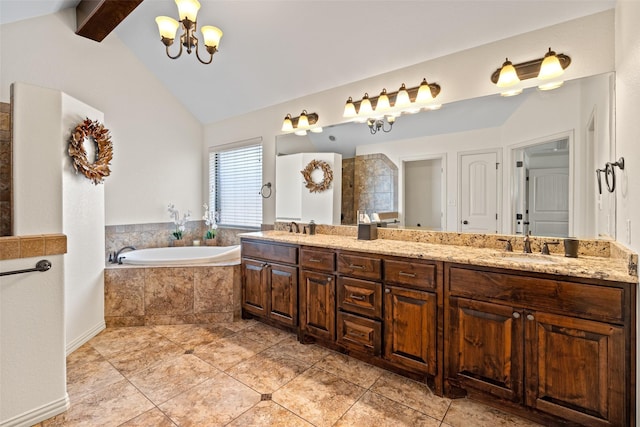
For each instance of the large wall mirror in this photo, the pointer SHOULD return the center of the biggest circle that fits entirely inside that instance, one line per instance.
(547, 146)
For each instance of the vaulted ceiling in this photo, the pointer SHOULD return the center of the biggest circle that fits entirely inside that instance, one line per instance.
(273, 51)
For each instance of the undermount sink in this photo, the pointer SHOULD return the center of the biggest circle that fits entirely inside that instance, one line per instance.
(529, 258)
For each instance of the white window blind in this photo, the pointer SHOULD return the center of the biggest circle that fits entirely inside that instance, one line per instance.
(235, 177)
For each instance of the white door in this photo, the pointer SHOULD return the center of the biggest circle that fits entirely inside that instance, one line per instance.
(423, 194)
(479, 193)
(549, 202)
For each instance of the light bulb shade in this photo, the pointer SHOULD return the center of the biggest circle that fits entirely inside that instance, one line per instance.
(188, 9)
(383, 102)
(303, 120)
(211, 35)
(402, 98)
(316, 129)
(167, 27)
(287, 125)
(424, 93)
(508, 75)
(365, 106)
(550, 67)
(551, 85)
(301, 132)
(349, 109)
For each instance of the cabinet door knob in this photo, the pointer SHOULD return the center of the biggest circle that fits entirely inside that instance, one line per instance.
(387, 291)
(328, 279)
(516, 315)
(530, 317)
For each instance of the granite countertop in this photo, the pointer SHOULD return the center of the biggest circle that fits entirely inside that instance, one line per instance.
(593, 267)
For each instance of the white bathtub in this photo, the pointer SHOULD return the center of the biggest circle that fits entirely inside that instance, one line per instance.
(186, 255)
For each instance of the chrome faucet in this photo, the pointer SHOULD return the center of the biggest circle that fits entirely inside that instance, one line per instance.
(508, 247)
(293, 225)
(545, 247)
(527, 244)
(117, 259)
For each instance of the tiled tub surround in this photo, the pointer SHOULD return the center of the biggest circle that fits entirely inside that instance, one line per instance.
(158, 235)
(599, 259)
(136, 296)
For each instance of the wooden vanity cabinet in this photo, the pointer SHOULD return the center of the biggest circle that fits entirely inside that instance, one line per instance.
(317, 294)
(270, 282)
(560, 347)
(359, 304)
(411, 315)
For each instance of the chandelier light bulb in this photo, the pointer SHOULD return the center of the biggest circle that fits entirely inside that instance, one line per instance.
(211, 35)
(508, 75)
(383, 102)
(402, 98)
(303, 120)
(424, 93)
(550, 67)
(167, 27)
(287, 124)
(365, 106)
(349, 109)
(188, 9)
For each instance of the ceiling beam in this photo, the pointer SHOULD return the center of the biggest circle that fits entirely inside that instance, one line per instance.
(95, 19)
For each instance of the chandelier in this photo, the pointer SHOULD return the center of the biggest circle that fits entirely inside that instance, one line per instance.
(168, 27)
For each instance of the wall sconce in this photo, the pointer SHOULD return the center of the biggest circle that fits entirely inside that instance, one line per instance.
(168, 27)
(546, 70)
(388, 106)
(301, 124)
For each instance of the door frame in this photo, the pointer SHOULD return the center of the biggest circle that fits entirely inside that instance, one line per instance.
(509, 170)
(499, 180)
(443, 185)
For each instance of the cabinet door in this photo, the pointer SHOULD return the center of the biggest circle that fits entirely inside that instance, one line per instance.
(318, 305)
(254, 287)
(410, 329)
(576, 369)
(283, 299)
(485, 348)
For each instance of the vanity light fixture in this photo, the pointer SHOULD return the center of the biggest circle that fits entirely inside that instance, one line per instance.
(547, 70)
(380, 112)
(188, 11)
(301, 124)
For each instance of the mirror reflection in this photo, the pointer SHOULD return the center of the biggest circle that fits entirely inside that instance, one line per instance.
(457, 168)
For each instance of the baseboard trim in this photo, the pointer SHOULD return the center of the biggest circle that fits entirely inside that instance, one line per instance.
(39, 414)
(78, 342)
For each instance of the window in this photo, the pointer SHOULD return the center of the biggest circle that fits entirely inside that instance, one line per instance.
(235, 177)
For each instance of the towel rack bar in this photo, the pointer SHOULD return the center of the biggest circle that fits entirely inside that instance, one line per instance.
(42, 265)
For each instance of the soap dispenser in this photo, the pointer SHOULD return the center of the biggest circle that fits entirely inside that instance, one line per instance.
(312, 228)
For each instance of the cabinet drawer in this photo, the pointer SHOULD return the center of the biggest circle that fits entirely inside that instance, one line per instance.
(360, 266)
(270, 251)
(578, 299)
(318, 260)
(410, 273)
(359, 296)
(359, 333)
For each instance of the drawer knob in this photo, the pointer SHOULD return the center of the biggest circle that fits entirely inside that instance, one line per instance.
(402, 273)
(530, 317)
(328, 279)
(387, 291)
(357, 297)
(314, 260)
(516, 315)
(357, 267)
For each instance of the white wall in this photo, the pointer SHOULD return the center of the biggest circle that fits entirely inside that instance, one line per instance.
(462, 75)
(157, 142)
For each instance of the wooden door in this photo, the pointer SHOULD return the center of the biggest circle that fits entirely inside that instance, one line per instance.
(485, 348)
(318, 305)
(575, 369)
(283, 298)
(410, 329)
(255, 287)
(479, 192)
(549, 202)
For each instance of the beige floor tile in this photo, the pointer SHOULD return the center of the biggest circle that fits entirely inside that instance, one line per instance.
(84, 354)
(268, 414)
(87, 378)
(268, 371)
(171, 377)
(308, 353)
(215, 402)
(228, 352)
(238, 325)
(318, 396)
(110, 406)
(152, 418)
(264, 334)
(112, 341)
(466, 412)
(189, 336)
(373, 409)
(412, 394)
(350, 369)
(130, 362)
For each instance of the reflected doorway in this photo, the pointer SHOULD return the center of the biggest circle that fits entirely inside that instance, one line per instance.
(542, 188)
(423, 194)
